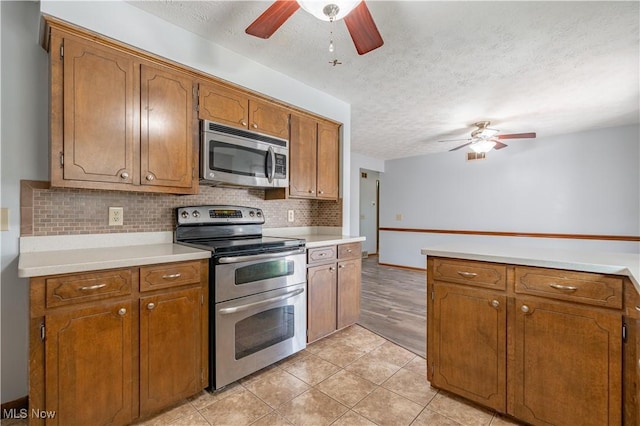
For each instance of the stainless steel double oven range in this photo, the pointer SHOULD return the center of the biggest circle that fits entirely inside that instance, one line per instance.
(257, 309)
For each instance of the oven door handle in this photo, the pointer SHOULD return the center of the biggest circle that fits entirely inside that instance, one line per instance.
(237, 259)
(226, 311)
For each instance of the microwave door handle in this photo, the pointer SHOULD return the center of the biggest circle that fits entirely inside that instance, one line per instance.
(271, 159)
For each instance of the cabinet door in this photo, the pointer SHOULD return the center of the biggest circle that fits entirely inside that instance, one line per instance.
(303, 157)
(170, 348)
(98, 118)
(567, 364)
(321, 301)
(469, 343)
(88, 365)
(167, 129)
(349, 278)
(223, 105)
(328, 161)
(268, 118)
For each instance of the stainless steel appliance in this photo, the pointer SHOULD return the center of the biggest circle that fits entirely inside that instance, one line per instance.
(236, 157)
(258, 302)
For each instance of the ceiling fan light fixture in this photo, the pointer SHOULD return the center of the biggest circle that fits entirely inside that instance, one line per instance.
(328, 10)
(484, 145)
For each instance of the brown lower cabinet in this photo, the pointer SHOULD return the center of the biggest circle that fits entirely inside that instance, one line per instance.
(106, 350)
(544, 346)
(333, 288)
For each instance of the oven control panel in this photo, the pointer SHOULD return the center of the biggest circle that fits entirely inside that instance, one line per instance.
(211, 215)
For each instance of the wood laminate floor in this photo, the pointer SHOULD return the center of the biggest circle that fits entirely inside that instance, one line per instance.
(394, 304)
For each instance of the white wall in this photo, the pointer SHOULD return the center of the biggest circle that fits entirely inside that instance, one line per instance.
(25, 123)
(24, 151)
(582, 183)
(368, 210)
(359, 161)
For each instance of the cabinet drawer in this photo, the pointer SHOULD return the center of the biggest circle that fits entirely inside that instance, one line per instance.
(169, 275)
(321, 254)
(91, 286)
(349, 251)
(581, 287)
(479, 274)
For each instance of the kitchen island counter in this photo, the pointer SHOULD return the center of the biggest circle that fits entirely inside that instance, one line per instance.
(626, 264)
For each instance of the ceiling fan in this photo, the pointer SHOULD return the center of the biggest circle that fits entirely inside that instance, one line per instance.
(484, 138)
(357, 17)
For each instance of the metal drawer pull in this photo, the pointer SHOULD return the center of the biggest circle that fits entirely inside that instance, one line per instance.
(322, 254)
(122, 311)
(93, 287)
(495, 303)
(151, 305)
(468, 274)
(563, 287)
(349, 251)
(226, 311)
(171, 276)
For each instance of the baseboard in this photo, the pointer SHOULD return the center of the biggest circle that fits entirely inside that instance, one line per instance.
(14, 407)
(411, 268)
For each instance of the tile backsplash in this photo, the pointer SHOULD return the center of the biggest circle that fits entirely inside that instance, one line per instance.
(61, 211)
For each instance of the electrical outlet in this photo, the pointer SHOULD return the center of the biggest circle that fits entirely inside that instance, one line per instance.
(116, 216)
(290, 216)
(398, 216)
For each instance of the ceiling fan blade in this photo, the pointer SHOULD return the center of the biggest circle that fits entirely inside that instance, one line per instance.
(461, 146)
(272, 18)
(455, 140)
(363, 30)
(500, 145)
(517, 136)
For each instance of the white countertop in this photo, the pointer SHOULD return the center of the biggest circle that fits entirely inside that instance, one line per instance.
(627, 264)
(314, 237)
(64, 254)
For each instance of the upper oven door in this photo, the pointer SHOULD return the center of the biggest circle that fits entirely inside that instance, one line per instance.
(240, 161)
(240, 276)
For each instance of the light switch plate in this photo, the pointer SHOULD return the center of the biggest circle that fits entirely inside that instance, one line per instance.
(4, 219)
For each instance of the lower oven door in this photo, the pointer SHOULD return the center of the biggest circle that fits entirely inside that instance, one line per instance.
(255, 331)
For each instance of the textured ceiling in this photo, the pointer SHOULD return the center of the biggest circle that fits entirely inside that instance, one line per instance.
(545, 67)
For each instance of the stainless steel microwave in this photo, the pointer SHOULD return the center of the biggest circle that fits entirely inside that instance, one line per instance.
(237, 157)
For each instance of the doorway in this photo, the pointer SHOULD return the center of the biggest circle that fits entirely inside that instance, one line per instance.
(369, 210)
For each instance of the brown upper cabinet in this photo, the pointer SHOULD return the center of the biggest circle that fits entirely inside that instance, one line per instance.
(237, 109)
(314, 159)
(118, 121)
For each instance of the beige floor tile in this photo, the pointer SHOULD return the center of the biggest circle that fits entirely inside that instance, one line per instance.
(241, 408)
(459, 410)
(293, 358)
(321, 344)
(170, 415)
(499, 420)
(273, 419)
(384, 407)
(312, 408)
(373, 369)
(431, 418)
(412, 386)
(277, 388)
(390, 352)
(351, 418)
(193, 419)
(312, 369)
(417, 365)
(258, 375)
(340, 354)
(346, 387)
(360, 338)
(204, 398)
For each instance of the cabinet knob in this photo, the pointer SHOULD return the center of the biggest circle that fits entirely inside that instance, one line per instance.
(311, 191)
(122, 311)
(244, 123)
(340, 266)
(332, 268)
(254, 125)
(524, 308)
(495, 303)
(151, 305)
(124, 175)
(320, 192)
(638, 308)
(150, 177)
